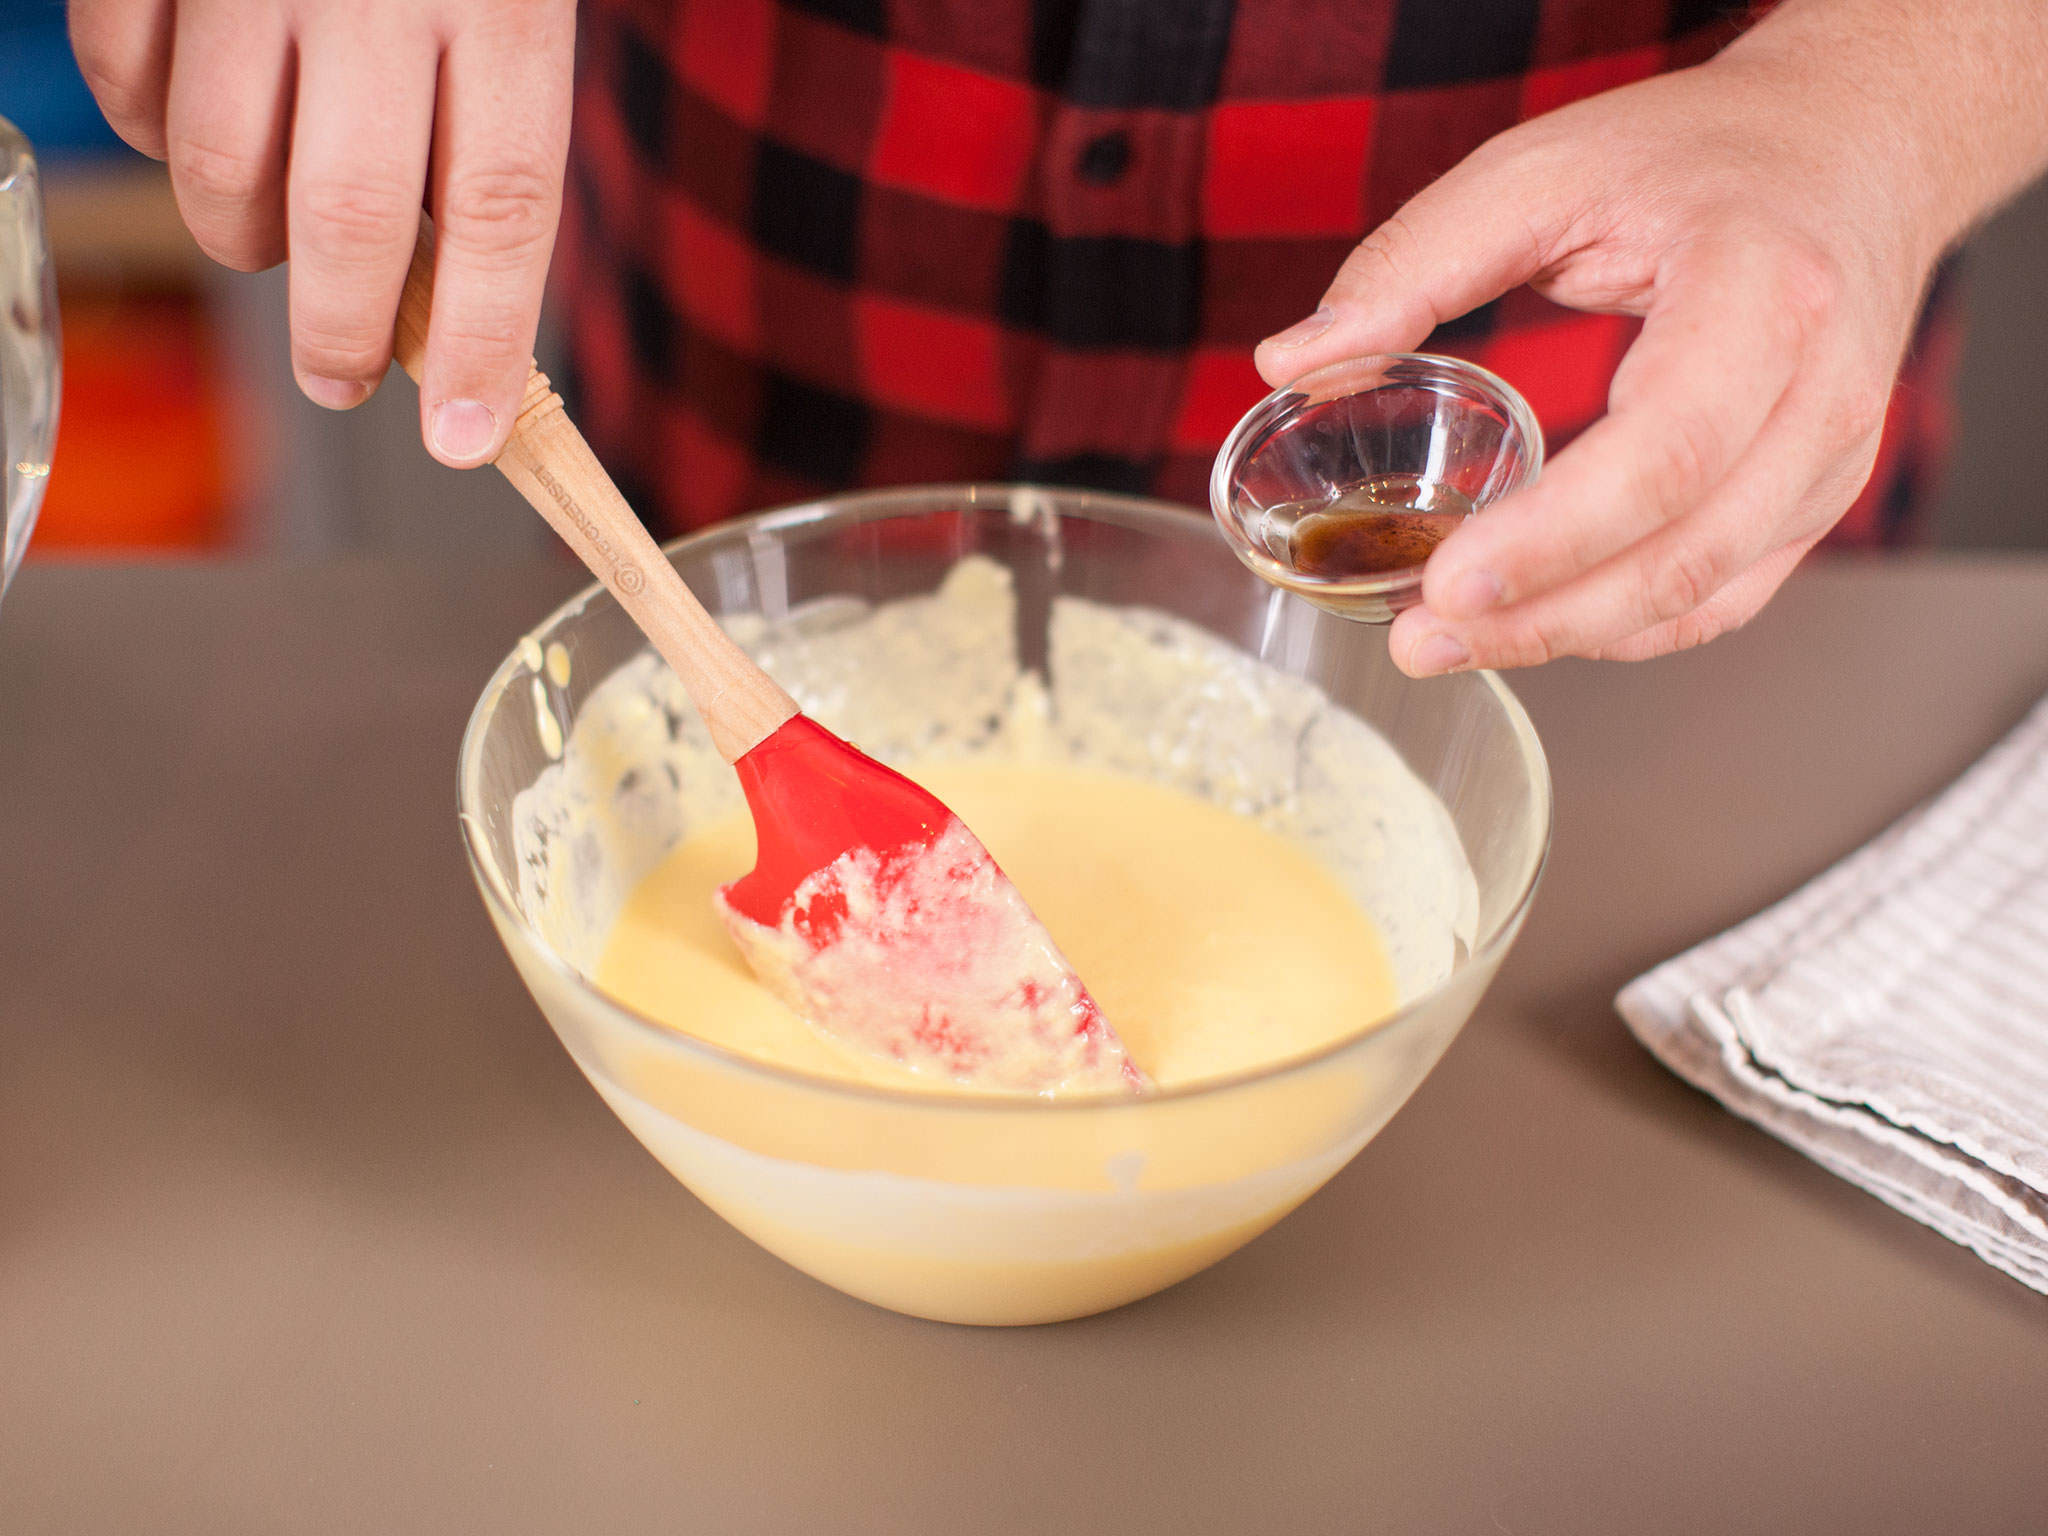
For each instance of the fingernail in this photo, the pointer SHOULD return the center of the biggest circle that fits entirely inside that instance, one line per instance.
(1437, 653)
(464, 429)
(1471, 595)
(335, 394)
(1304, 331)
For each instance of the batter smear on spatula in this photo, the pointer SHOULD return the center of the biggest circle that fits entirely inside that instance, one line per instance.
(993, 1003)
(914, 945)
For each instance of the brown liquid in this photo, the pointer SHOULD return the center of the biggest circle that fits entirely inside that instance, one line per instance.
(1373, 531)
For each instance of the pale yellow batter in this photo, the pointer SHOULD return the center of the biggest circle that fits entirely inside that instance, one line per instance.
(1213, 946)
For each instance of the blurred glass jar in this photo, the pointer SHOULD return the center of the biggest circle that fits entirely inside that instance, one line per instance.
(29, 353)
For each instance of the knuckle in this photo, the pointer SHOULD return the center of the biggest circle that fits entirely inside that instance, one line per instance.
(1701, 625)
(1538, 639)
(214, 175)
(1684, 579)
(500, 209)
(484, 341)
(1679, 465)
(341, 217)
(1807, 288)
(1383, 264)
(1390, 246)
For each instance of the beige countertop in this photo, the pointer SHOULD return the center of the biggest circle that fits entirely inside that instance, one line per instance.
(307, 1223)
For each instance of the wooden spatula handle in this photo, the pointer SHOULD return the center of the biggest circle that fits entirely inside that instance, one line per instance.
(552, 466)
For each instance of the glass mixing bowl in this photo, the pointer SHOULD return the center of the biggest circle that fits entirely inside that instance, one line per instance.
(979, 1209)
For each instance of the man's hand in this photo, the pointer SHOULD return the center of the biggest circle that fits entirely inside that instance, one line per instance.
(1773, 216)
(316, 130)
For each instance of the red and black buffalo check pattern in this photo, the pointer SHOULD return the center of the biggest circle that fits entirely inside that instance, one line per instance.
(815, 244)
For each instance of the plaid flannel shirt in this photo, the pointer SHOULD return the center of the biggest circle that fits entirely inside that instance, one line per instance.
(815, 244)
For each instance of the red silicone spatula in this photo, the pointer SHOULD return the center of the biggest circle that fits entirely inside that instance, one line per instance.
(871, 909)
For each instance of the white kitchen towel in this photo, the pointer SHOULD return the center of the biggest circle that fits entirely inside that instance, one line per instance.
(1890, 1019)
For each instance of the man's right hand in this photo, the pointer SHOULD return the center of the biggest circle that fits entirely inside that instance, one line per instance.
(317, 129)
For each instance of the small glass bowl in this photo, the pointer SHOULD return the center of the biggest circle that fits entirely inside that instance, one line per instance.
(1338, 486)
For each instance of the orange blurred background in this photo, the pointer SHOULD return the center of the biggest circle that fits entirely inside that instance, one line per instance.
(140, 461)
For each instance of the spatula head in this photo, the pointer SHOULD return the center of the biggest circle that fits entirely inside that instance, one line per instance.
(878, 916)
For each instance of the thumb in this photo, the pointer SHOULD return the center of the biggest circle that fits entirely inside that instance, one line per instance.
(1470, 236)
